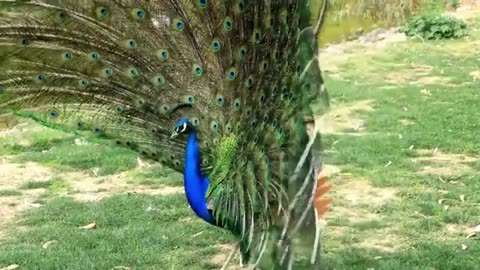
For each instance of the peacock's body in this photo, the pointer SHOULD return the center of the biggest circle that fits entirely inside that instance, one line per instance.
(233, 79)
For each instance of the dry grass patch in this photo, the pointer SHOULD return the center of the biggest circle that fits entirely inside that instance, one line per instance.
(81, 187)
(443, 164)
(475, 74)
(12, 175)
(359, 192)
(416, 74)
(385, 240)
(87, 188)
(345, 118)
(220, 258)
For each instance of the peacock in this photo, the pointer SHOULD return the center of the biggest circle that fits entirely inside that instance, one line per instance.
(219, 90)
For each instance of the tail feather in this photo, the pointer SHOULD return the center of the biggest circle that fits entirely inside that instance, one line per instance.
(321, 203)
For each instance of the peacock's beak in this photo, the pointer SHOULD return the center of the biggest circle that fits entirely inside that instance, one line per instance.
(174, 134)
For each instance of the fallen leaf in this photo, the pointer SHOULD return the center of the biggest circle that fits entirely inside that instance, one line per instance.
(35, 205)
(441, 201)
(462, 198)
(473, 231)
(388, 164)
(197, 234)
(446, 207)
(471, 235)
(464, 247)
(90, 226)
(48, 244)
(10, 267)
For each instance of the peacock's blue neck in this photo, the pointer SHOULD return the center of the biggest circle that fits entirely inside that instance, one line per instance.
(196, 184)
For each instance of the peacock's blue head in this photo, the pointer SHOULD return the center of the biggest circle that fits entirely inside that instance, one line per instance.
(182, 126)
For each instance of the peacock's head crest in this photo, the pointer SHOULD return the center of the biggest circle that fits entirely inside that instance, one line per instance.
(183, 126)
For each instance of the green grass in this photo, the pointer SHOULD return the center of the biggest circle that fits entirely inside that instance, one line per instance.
(53, 185)
(411, 230)
(139, 231)
(9, 192)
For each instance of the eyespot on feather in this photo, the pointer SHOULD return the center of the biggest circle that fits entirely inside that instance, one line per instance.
(239, 7)
(163, 54)
(195, 121)
(41, 78)
(219, 100)
(178, 24)
(197, 70)
(140, 102)
(228, 128)
(132, 72)
(158, 80)
(67, 56)
(202, 3)
(24, 41)
(232, 74)
(130, 43)
(164, 108)
(107, 72)
(216, 45)
(83, 83)
(214, 126)
(94, 55)
(242, 53)
(102, 12)
(228, 24)
(249, 82)
(53, 113)
(236, 104)
(189, 99)
(138, 13)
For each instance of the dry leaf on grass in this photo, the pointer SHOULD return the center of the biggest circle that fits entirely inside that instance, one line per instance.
(464, 247)
(473, 231)
(462, 198)
(49, 244)
(90, 226)
(10, 267)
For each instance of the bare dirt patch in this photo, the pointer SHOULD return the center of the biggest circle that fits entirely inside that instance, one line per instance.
(475, 74)
(383, 240)
(220, 258)
(359, 192)
(416, 74)
(334, 56)
(329, 170)
(468, 10)
(443, 164)
(87, 188)
(356, 200)
(344, 118)
(82, 187)
(11, 177)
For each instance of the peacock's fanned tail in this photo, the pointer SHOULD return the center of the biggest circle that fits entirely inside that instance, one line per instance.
(119, 69)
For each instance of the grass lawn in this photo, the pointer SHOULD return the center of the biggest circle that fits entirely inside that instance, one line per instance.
(402, 145)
